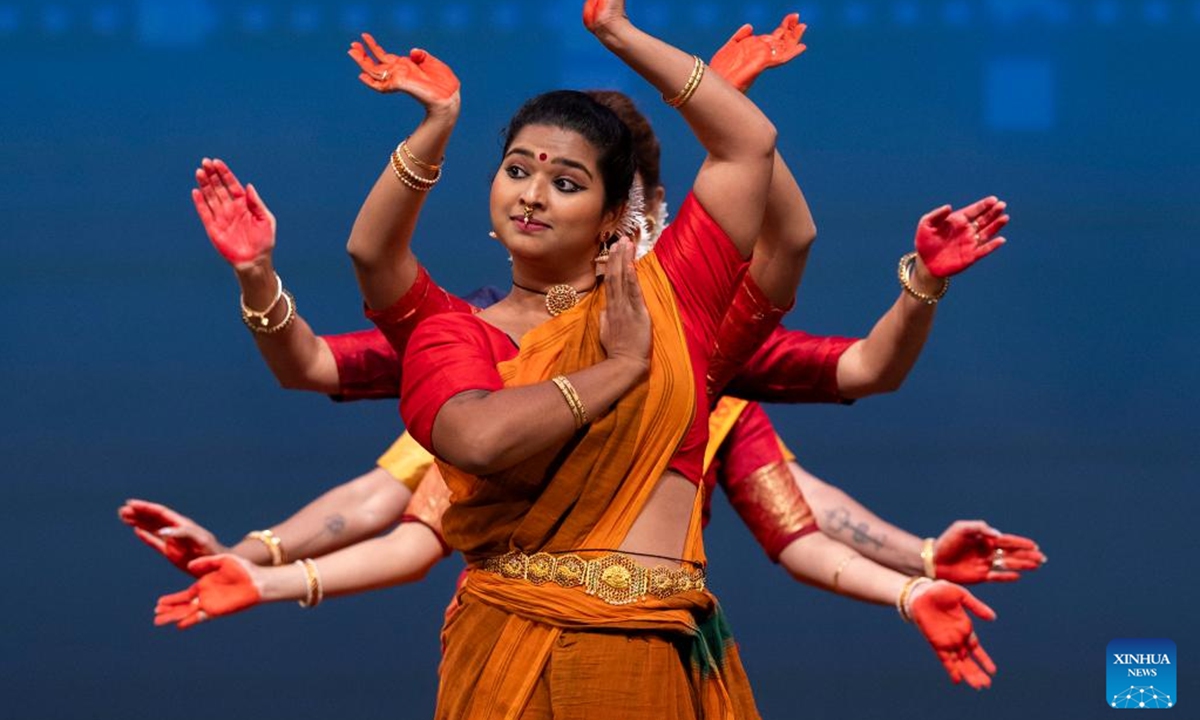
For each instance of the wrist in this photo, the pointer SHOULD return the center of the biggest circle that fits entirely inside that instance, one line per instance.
(611, 33)
(277, 584)
(255, 273)
(444, 112)
(634, 369)
(924, 280)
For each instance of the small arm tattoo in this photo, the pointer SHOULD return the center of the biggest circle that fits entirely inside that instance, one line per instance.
(335, 524)
(839, 520)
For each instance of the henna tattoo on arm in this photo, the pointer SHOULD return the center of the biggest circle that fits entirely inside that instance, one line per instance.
(839, 520)
(335, 524)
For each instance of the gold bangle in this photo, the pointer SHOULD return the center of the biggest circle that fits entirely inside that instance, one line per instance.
(417, 161)
(927, 559)
(261, 315)
(837, 574)
(902, 605)
(904, 272)
(573, 400)
(288, 318)
(412, 180)
(689, 88)
(314, 592)
(274, 545)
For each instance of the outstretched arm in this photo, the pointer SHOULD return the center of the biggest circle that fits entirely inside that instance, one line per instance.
(938, 609)
(242, 230)
(229, 584)
(947, 243)
(967, 552)
(380, 242)
(349, 513)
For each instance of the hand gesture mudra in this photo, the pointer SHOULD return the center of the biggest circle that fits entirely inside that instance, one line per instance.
(939, 610)
(971, 551)
(746, 55)
(176, 537)
(625, 322)
(950, 241)
(429, 80)
(235, 218)
(226, 585)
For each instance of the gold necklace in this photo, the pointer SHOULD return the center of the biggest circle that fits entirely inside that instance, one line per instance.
(559, 298)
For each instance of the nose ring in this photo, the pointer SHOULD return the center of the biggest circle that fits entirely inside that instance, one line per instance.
(528, 213)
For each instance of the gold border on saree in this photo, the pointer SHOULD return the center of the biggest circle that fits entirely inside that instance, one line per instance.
(614, 578)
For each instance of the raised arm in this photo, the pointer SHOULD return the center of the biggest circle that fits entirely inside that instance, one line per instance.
(380, 242)
(740, 141)
(947, 243)
(242, 230)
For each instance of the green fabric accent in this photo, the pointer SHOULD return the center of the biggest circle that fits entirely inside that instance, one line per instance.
(711, 645)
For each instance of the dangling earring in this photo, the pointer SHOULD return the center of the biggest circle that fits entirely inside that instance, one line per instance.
(492, 234)
(650, 223)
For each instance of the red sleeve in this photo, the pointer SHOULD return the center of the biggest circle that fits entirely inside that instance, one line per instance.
(424, 299)
(448, 354)
(760, 486)
(792, 367)
(703, 266)
(750, 319)
(367, 365)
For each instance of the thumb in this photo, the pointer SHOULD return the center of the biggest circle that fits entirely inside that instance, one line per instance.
(742, 33)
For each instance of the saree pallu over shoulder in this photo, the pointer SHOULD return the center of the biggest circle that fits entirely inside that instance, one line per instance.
(586, 495)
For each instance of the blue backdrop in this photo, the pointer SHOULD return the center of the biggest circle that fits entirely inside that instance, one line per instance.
(1056, 398)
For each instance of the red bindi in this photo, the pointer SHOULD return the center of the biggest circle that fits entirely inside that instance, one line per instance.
(542, 157)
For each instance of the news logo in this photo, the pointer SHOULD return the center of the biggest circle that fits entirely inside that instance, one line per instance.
(1141, 674)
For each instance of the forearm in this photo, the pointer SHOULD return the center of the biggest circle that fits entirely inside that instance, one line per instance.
(739, 139)
(881, 361)
(380, 241)
(822, 562)
(788, 231)
(405, 555)
(345, 515)
(846, 521)
(297, 358)
(485, 432)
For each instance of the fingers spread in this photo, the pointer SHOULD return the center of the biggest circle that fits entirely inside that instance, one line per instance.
(984, 659)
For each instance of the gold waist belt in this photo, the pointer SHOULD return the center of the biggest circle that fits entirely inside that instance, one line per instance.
(614, 578)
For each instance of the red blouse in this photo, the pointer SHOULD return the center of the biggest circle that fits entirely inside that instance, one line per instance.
(750, 467)
(453, 352)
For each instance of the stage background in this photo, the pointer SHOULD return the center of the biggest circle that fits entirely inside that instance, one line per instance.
(1056, 398)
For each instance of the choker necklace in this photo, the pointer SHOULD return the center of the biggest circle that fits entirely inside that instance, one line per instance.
(559, 298)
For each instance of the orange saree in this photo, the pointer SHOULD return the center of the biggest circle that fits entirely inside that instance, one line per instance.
(538, 640)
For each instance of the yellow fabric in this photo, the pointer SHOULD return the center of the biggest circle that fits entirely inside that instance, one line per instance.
(720, 423)
(406, 461)
(788, 455)
(500, 640)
